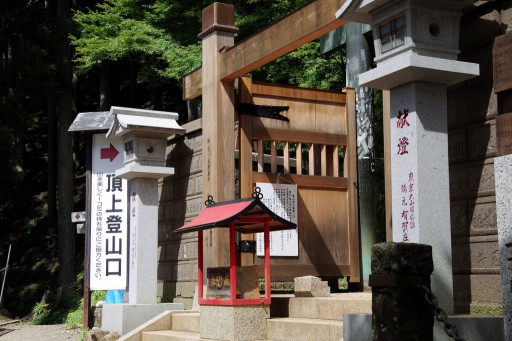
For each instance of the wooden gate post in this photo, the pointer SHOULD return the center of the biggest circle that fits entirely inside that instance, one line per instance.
(218, 122)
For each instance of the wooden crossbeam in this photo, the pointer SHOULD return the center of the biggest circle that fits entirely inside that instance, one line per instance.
(192, 85)
(303, 136)
(298, 28)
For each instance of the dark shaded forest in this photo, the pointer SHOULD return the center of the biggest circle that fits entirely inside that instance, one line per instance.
(61, 57)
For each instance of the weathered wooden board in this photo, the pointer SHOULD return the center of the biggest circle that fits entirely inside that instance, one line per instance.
(502, 62)
(504, 134)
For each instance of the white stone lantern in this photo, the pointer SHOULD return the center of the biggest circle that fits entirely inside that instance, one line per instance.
(144, 134)
(416, 47)
(414, 40)
(415, 28)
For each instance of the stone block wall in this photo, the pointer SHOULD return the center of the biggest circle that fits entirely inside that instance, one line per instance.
(180, 201)
(472, 108)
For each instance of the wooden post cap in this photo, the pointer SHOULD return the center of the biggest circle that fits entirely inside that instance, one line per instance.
(218, 17)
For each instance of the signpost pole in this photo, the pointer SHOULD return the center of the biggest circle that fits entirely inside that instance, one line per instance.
(87, 253)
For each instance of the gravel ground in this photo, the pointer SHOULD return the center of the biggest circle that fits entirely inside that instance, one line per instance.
(18, 332)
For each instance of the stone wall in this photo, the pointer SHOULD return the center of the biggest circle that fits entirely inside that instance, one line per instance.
(472, 107)
(180, 201)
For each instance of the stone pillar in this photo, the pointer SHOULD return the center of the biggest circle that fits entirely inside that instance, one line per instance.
(502, 69)
(503, 178)
(142, 279)
(400, 311)
(420, 182)
(218, 123)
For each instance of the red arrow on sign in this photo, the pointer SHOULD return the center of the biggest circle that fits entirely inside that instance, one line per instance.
(109, 153)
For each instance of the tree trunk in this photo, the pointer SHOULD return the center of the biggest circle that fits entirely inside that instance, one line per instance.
(105, 86)
(132, 89)
(52, 166)
(66, 233)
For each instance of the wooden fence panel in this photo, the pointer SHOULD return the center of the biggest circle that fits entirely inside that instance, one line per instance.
(327, 211)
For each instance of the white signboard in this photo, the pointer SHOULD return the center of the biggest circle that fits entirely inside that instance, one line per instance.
(109, 216)
(282, 200)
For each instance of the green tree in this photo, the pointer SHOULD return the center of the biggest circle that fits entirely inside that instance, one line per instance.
(36, 109)
(65, 111)
(158, 41)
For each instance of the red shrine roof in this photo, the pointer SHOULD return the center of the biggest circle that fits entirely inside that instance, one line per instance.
(249, 216)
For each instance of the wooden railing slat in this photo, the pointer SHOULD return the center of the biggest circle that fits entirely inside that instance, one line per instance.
(298, 158)
(273, 157)
(323, 160)
(311, 167)
(286, 157)
(260, 156)
(335, 161)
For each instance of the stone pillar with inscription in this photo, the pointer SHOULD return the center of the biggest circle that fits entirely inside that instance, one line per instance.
(502, 57)
(416, 53)
(144, 134)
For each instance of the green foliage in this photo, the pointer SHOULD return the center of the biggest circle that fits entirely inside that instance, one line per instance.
(130, 29)
(40, 312)
(161, 38)
(57, 309)
(306, 67)
(74, 319)
(97, 296)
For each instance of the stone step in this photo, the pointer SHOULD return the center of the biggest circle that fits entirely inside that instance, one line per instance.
(301, 318)
(292, 329)
(170, 335)
(282, 329)
(325, 308)
(188, 322)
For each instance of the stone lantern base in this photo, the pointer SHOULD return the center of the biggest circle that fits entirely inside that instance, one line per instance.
(234, 323)
(123, 318)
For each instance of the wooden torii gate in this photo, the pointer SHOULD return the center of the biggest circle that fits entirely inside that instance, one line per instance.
(222, 63)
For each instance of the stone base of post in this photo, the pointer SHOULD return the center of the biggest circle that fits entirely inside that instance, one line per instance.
(234, 323)
(122, 318)
(400, 311)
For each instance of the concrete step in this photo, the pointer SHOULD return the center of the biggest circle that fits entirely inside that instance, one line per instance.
(188, 322)
(293, 329)
(325, 308)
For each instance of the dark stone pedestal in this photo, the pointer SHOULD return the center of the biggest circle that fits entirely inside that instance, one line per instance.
(400, 311)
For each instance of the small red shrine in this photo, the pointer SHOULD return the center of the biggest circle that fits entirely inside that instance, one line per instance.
(248, 215)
